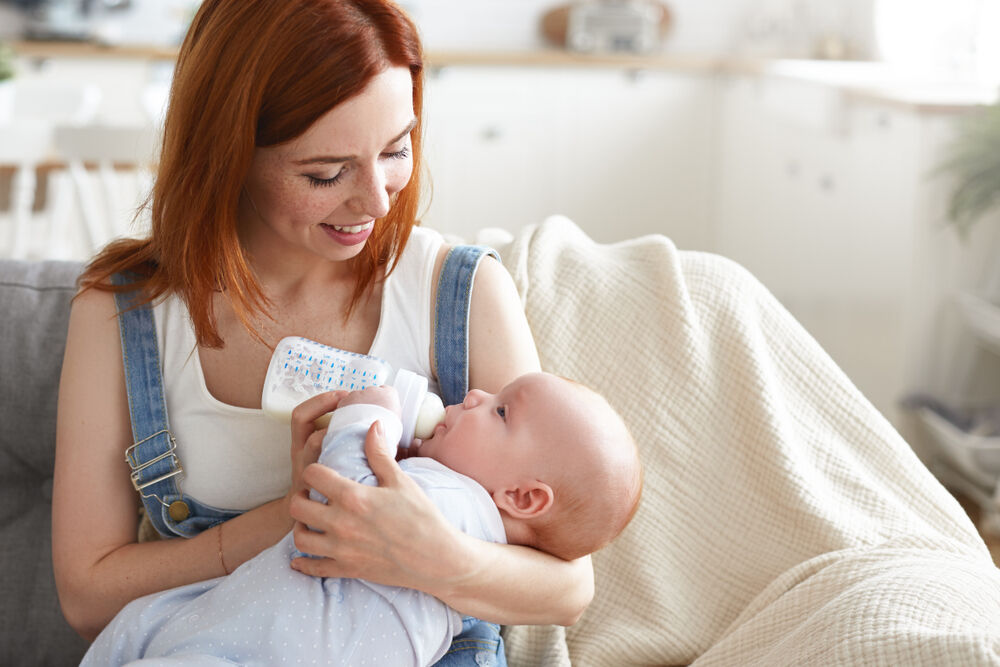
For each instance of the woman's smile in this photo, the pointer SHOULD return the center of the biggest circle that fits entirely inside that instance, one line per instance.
(349, 235)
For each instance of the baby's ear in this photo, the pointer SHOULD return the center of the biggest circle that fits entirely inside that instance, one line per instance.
(529, 500)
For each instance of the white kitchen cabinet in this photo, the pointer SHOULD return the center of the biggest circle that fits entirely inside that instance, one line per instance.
(816, 206)
(638, 155)
(822, 196)
(621, 153)
(815, 193)
(490, 147)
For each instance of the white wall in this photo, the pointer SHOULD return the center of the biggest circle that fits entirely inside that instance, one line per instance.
(791, 28)
(788, 28)
(11, 22)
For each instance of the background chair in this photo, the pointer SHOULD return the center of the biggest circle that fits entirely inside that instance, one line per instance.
(70, 189)
(24, 146)
(34, 207)
(55, 101)
(108, 173)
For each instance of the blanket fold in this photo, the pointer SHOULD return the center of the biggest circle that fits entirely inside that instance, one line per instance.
(778, 503)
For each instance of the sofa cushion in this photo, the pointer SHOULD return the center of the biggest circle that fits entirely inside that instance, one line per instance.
(34, 311)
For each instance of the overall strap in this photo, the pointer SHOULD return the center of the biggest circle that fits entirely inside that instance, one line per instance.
(153, 456)
(480, 642)
(451, 333)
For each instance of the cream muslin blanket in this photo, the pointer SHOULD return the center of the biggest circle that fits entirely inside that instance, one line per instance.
(783, 520)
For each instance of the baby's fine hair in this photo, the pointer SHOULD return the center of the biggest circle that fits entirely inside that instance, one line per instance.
(589, 513)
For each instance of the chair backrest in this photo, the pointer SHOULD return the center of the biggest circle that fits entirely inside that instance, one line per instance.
(108, 174)
(56, 101)
(25, 141)
(72, 188)
(24, 144)
(131, 144)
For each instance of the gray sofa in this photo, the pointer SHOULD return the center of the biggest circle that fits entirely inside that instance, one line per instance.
(34, 310)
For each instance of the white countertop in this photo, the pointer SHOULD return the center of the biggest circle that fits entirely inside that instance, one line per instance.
(927, 90)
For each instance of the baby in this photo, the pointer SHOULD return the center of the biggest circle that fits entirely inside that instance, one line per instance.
(545, 463)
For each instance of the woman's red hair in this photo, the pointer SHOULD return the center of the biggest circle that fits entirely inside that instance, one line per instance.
(255, 74)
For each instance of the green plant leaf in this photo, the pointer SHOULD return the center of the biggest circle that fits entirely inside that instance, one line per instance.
(6, 62)
(973, 161)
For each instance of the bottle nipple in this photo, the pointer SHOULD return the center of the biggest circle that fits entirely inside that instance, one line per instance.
(421, 410)
(430, 415)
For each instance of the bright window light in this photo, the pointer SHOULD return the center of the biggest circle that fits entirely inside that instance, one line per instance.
(961, 37)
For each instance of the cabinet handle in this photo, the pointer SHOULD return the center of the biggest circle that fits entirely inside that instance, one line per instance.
(491, 133)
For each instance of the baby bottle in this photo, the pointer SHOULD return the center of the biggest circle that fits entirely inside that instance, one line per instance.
(301, 368)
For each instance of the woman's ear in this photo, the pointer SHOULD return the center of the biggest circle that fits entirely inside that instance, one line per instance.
(529, 500)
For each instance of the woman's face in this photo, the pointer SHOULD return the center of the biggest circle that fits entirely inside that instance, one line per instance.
(323, 191)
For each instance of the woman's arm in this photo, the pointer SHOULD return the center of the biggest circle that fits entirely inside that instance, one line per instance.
(507, 580)
(501, 347)
(99, 566)
(393, 535)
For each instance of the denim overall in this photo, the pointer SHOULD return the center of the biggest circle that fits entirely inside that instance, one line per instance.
(156, 468)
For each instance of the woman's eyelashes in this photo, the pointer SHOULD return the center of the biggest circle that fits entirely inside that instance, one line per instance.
(401, 154)
(318, 182)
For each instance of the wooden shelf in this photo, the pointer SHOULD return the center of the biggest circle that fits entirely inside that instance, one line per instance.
(43, 50)
(861, 80)
(561, 58)
(547, 57)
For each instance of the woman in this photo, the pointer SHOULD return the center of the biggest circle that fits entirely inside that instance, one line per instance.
(285, 204)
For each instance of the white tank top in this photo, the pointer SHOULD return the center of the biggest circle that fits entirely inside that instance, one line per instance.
(239, 458)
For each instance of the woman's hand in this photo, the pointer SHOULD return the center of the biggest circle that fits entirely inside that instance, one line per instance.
(391, 534)
(307, 438)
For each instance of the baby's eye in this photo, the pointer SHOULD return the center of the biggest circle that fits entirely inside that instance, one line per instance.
(502, 412)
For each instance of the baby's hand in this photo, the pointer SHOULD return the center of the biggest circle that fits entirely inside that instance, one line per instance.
(384, 396)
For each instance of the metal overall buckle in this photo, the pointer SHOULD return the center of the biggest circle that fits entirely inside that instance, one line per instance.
(178, 509)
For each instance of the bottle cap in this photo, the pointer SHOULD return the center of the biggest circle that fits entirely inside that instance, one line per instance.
(412, 388)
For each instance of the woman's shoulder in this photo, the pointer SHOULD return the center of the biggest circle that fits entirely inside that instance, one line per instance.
(94, 312)
(92, 334)
(431, 240)
(101, 300)
(94, 302)
(427, 250)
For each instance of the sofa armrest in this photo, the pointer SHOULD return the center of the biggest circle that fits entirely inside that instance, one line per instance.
(34, 311)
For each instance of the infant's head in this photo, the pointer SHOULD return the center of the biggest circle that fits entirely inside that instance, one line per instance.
(556, 458)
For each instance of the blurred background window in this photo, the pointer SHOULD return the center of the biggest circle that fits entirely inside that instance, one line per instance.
(962, 36)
